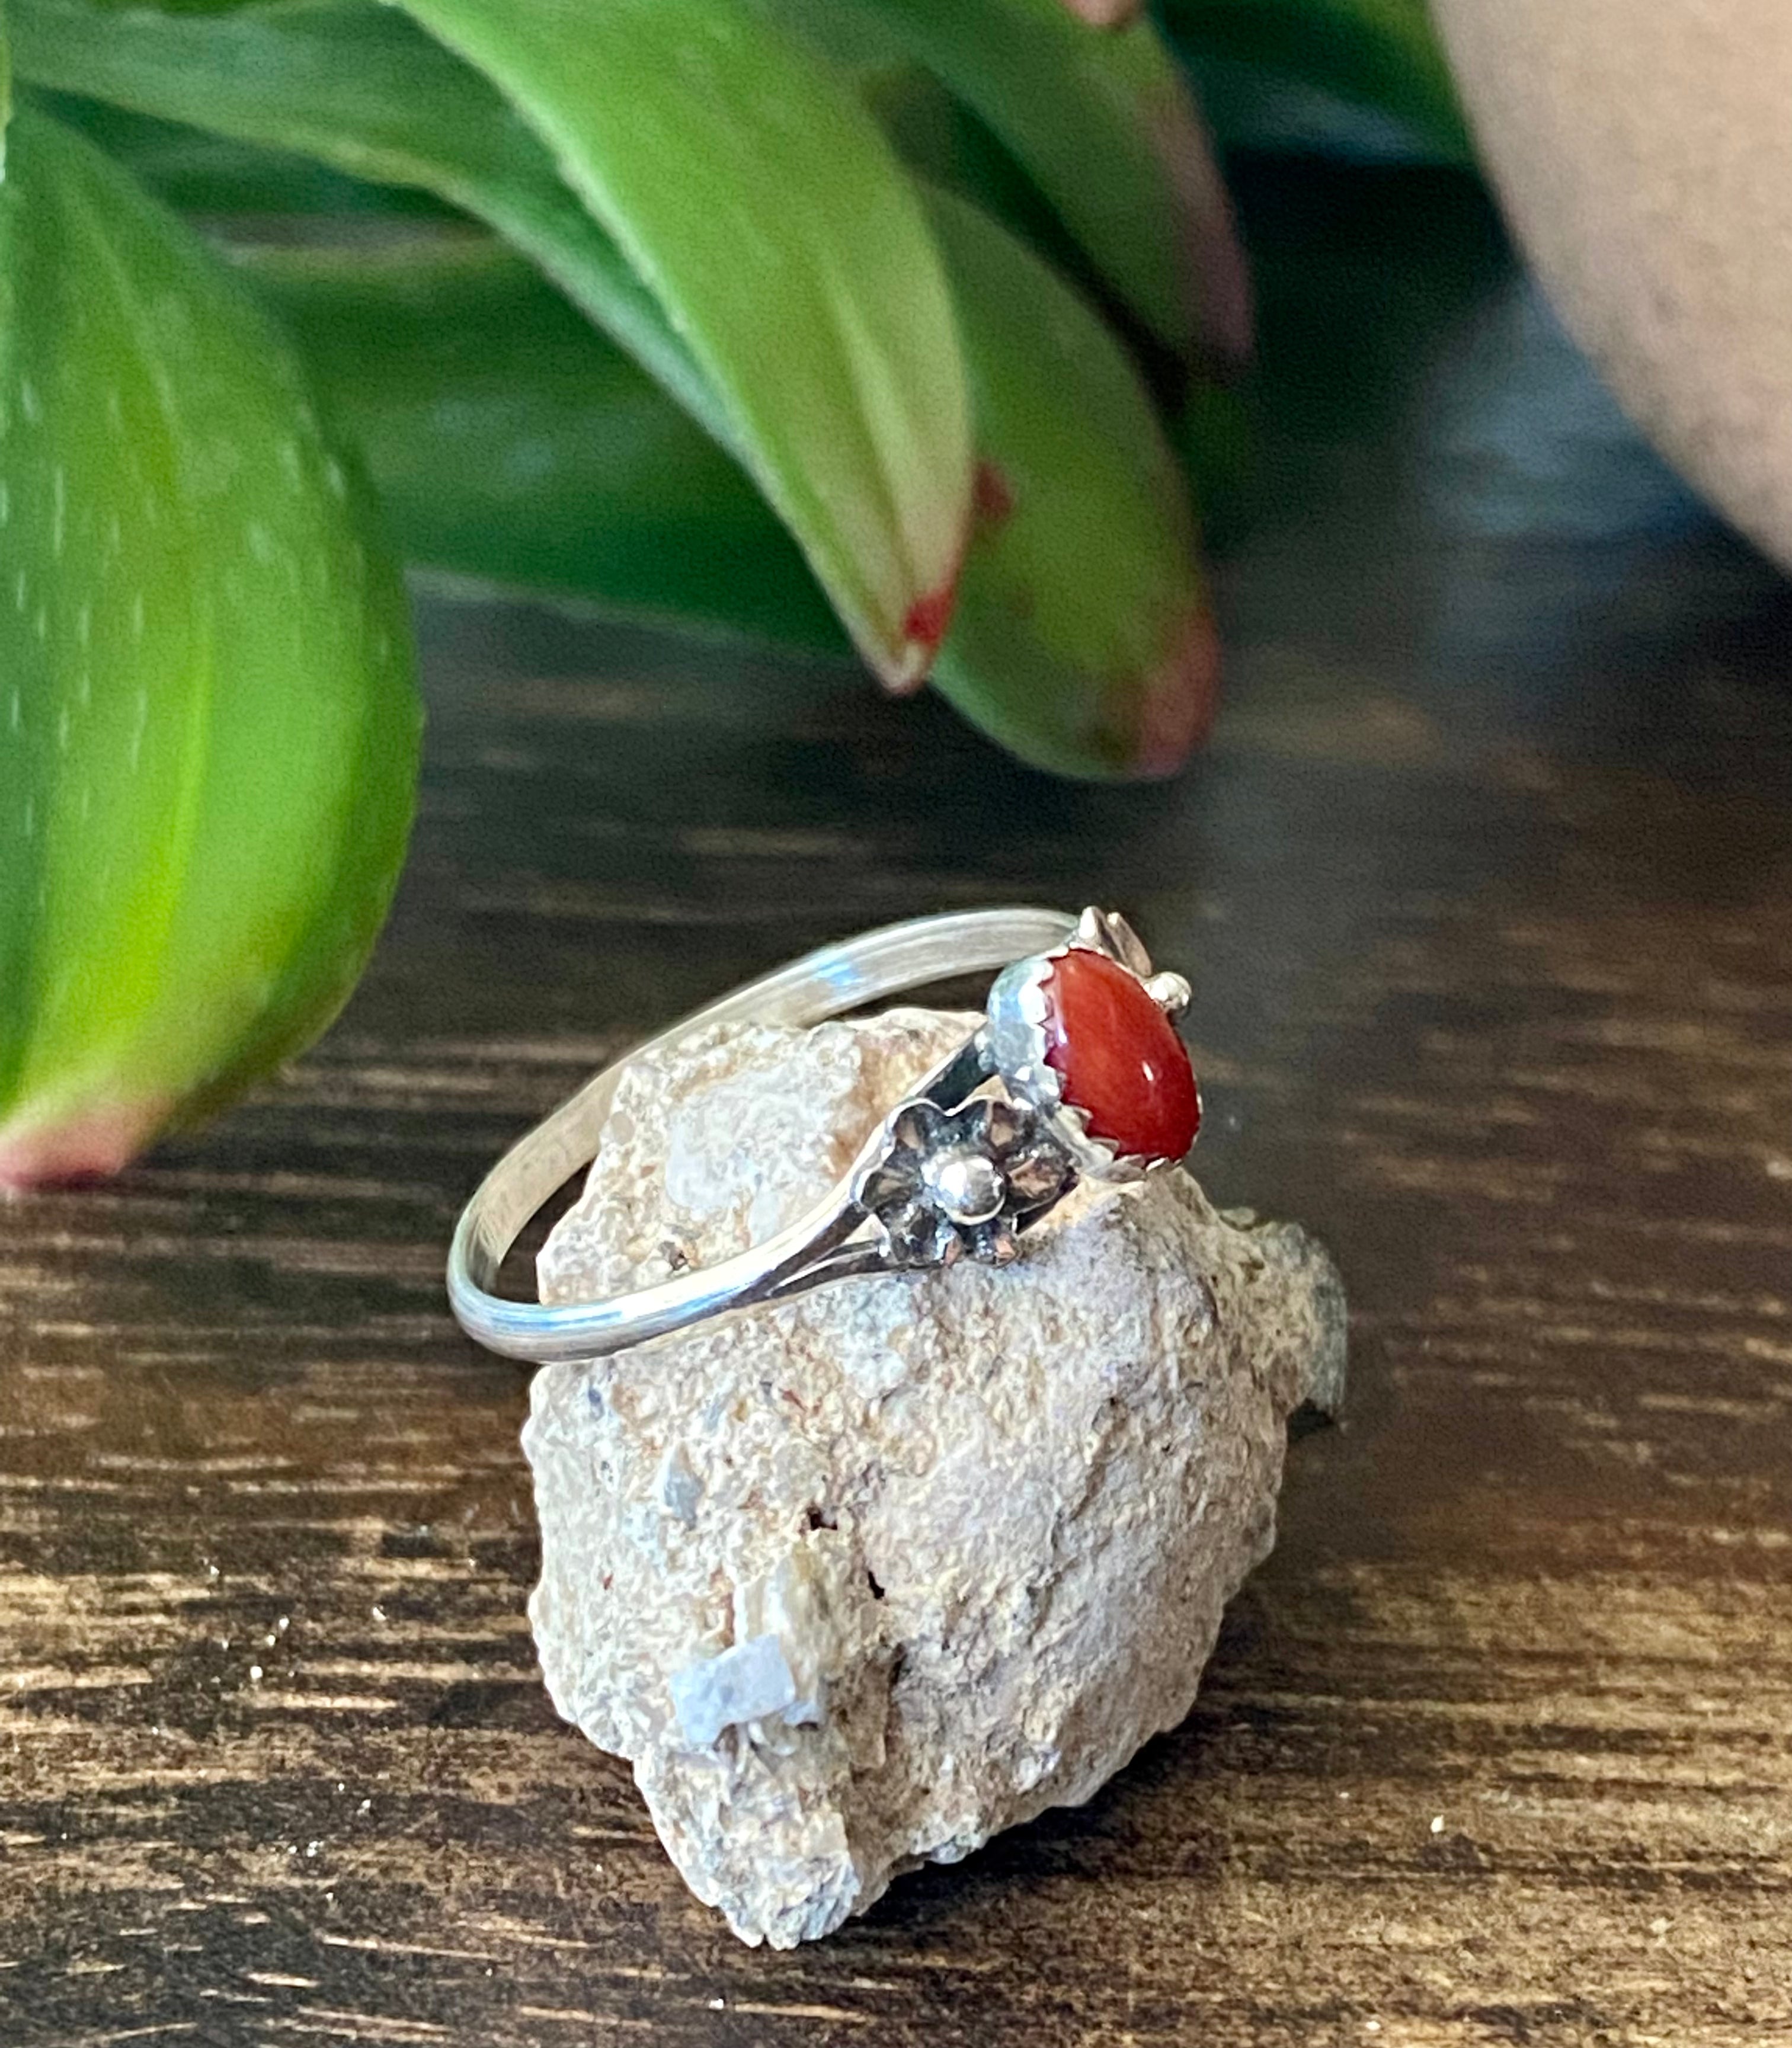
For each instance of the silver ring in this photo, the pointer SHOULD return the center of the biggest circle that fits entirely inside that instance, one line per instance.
(1076, 1072)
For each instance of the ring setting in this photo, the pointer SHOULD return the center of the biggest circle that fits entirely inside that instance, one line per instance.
(1083, 1034)
(1075, 1073)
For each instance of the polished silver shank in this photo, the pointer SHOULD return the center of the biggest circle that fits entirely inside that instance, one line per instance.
(862, 1225)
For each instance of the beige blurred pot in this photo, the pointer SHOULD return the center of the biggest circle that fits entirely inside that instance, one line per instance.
(1643, 152)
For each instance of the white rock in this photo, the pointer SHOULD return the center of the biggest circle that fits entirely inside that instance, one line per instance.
(857, 1581)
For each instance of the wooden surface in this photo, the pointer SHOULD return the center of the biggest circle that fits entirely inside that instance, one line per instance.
(1487, 887)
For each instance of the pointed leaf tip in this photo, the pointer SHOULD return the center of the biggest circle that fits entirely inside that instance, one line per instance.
(1177, 706)
(923, 629)
(1216, 276)
(91, 1145)
(1082, 639)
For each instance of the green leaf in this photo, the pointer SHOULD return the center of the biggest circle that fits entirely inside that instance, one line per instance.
(208, 728)
(1104, 122)
(751, 192)
(761, 205)
(364, 89)
(1083, 640)
(1275, 64)
(197, 172)
(509, 440)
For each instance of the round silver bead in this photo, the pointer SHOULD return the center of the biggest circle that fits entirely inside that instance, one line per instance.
(967, 1187)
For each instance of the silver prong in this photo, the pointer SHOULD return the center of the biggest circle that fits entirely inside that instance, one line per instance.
(1170, 992)
(1108, 932)
(1091, 931)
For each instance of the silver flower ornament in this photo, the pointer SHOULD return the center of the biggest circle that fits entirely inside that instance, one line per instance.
(953, 1181)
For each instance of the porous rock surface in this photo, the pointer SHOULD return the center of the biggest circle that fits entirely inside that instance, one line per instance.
(856, 1581)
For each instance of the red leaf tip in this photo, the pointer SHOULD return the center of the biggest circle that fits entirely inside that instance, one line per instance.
(1180, 698)
(924, 627)
(92, 1145)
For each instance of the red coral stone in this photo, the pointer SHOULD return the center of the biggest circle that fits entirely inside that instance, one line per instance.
(1118, 1057)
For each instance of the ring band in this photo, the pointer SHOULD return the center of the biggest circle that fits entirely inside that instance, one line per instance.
(1076, 1072)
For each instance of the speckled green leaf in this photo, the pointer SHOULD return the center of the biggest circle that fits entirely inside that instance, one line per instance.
(761, 205)
(208, 728)
(1103, 122)
(509, 440)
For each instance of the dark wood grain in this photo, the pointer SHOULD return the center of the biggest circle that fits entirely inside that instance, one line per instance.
(1487, 885)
